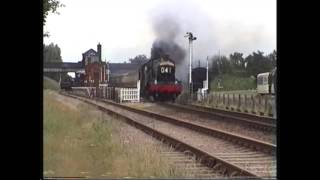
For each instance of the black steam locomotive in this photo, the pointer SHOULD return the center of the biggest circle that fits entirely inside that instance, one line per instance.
(67, 83)
(157, 79)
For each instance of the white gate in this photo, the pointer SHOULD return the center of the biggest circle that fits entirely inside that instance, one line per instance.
(129, 95)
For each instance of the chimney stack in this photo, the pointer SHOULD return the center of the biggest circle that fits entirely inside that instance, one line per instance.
(99, 51)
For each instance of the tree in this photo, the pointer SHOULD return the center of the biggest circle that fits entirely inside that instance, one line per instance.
(50, 6)
(237, 61)
(273, 58)
(220, 65)
(214, 68)
(139, 59)
(51, 53)
(258, 63)
(225, 65)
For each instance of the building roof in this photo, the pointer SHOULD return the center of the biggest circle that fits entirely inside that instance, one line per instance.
(122, 68)
(90, 51)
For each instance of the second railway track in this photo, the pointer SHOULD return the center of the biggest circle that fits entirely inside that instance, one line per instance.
(262, 121)
(234, 155)
(246, 128)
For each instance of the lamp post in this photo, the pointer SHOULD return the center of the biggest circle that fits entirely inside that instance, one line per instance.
(191, 38)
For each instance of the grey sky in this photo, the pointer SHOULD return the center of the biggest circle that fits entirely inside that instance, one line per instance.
(124, 27)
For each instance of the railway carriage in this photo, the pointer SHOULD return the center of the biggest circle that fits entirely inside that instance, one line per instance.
(266, 82)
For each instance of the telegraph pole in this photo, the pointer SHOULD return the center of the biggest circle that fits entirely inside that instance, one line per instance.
(207, 75)
(191, 38)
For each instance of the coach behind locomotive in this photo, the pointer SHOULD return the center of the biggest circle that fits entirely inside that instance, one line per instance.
(157, 79)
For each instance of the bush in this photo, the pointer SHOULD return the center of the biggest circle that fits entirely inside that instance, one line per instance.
(231, 82)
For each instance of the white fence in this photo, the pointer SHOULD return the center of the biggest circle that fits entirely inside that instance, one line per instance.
(111, 93)
(128, 94)
(242, 102)
(246, 102)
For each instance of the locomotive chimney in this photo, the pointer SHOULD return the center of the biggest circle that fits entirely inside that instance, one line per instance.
(99, 51)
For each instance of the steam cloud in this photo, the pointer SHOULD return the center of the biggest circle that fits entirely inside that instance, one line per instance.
(171, 20)
(166, 30)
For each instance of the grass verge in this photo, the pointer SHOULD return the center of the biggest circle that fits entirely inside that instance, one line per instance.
(230, 82)
(80, 141)
(50, 84)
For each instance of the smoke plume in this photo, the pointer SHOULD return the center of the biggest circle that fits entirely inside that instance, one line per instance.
(166, 30)
(170, 21)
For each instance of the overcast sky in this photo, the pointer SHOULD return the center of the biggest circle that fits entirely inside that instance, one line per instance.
(124, 27)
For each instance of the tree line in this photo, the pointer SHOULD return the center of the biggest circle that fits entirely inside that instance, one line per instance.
(237, 65)
(52, 54)
(234, 64)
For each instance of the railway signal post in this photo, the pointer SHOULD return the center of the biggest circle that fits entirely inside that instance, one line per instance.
(191, 38)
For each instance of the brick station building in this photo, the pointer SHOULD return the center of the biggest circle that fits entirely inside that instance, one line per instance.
(95, 69)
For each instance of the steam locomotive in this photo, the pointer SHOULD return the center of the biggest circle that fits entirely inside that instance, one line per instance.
(157, 79)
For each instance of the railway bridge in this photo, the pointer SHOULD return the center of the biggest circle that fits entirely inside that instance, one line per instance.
(63, 67)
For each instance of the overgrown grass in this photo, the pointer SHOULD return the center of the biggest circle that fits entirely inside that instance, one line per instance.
(82, 142)
(230, 82)
(50, 84)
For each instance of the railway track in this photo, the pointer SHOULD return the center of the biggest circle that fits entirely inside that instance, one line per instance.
(208, 120)
(235, 114)
(229, 154)
(263, 123)
(186, 161)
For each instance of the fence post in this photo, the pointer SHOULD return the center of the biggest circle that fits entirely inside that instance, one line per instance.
(266, 107)
(274, 107)
(260, 107)
(224, 100)
(253, 104)
(121, 95)
(269, 106)
(232, 102)
(213, 99)
(218, 100)
(239, 103)
(245, 109)
(228, 102)
(211, 102)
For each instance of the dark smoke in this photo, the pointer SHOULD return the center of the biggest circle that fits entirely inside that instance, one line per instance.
(166, 30)
(171, 20)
